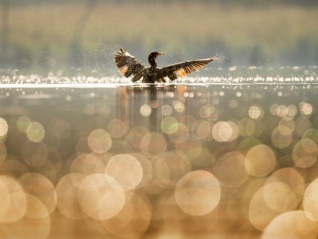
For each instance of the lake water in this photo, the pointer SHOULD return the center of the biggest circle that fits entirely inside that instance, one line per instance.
(233, 155)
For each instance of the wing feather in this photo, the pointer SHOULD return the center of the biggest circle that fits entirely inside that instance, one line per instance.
(128, 65)
(182, 69)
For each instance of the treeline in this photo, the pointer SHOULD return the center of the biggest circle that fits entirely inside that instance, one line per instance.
(68, 33)
(247, 3)
(229, 2)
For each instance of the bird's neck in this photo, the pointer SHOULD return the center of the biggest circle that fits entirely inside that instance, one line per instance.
(152, 61)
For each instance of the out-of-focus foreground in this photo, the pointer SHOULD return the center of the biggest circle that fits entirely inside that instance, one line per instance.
(159, 162)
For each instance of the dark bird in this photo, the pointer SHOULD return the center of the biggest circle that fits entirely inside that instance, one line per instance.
(129, 66)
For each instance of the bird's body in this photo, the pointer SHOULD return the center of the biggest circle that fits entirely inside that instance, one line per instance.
(128, 66)
(150, 74)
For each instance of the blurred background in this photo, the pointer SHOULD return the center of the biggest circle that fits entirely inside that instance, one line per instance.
(53, 35)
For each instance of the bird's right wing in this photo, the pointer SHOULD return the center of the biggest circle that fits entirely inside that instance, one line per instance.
(182, 69)
(128, 65)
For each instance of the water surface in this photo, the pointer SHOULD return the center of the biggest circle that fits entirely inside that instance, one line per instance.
(218, 156)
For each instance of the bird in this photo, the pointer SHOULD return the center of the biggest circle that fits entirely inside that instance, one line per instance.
(129, 66)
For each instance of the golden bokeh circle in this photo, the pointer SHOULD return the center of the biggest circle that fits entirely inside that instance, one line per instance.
(305, 153)
(40, 187)
(101, 197)
(198, 193)
(310, 201)
(35, 132)
(292, 224)
(230, 169)
(3, 128)
(126, 169)
(260, 160)
(67, 191)
(14, 209)
(99, 141)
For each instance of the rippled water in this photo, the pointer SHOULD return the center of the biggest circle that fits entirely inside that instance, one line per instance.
(230, 76)
(219, 156)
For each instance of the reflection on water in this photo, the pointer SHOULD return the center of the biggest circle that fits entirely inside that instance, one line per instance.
(159, 162)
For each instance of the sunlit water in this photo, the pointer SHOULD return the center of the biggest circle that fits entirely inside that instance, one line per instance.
(228, 155)
(234, 75)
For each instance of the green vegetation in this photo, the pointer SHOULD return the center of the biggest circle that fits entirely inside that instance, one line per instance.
(52, 35)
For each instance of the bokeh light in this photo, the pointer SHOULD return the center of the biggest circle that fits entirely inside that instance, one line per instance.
(35, 208)
(14, 204)
(136, 136)
(302, 125)
(255, 112)
(170, 167)
(34, 225)
(147, 169)
(259, 213)
(145, 110)
(281, 111)
(117, 128)
(260, 160)
(225, 131)
(191, 147)
(67, 191)
(207, 111)
(35, 154)
(99, 141)
(305, 153)
(86, 164)
(198, 193)
(3, 129)
(35, 132)
(23, 123)
(310, 201)
(230, 169)
(279, 197)
(203, 130)
(292, 224)
(178, 106)
(181, 135)
(42, 189)
(205, 162)
(247, 127)
(291, 178)
(282, 137)
(153, 143)
(126, 169)
(305, 108)
(169, 125)
(166, 110)
(5, 196)
(132, 221)
(101, 197)
(292, 111)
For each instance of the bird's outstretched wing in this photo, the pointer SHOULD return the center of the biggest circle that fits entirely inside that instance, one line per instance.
(128, 65)
(182, 69)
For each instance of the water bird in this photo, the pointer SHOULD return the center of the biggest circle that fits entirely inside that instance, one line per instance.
(129, 66)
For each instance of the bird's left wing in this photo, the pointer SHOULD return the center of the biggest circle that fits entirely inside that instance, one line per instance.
(182, 69)
(128, 65)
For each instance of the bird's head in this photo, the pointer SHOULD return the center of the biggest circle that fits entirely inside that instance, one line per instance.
(155, 54)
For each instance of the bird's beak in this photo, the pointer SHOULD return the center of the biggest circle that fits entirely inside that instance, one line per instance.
(161, 53)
